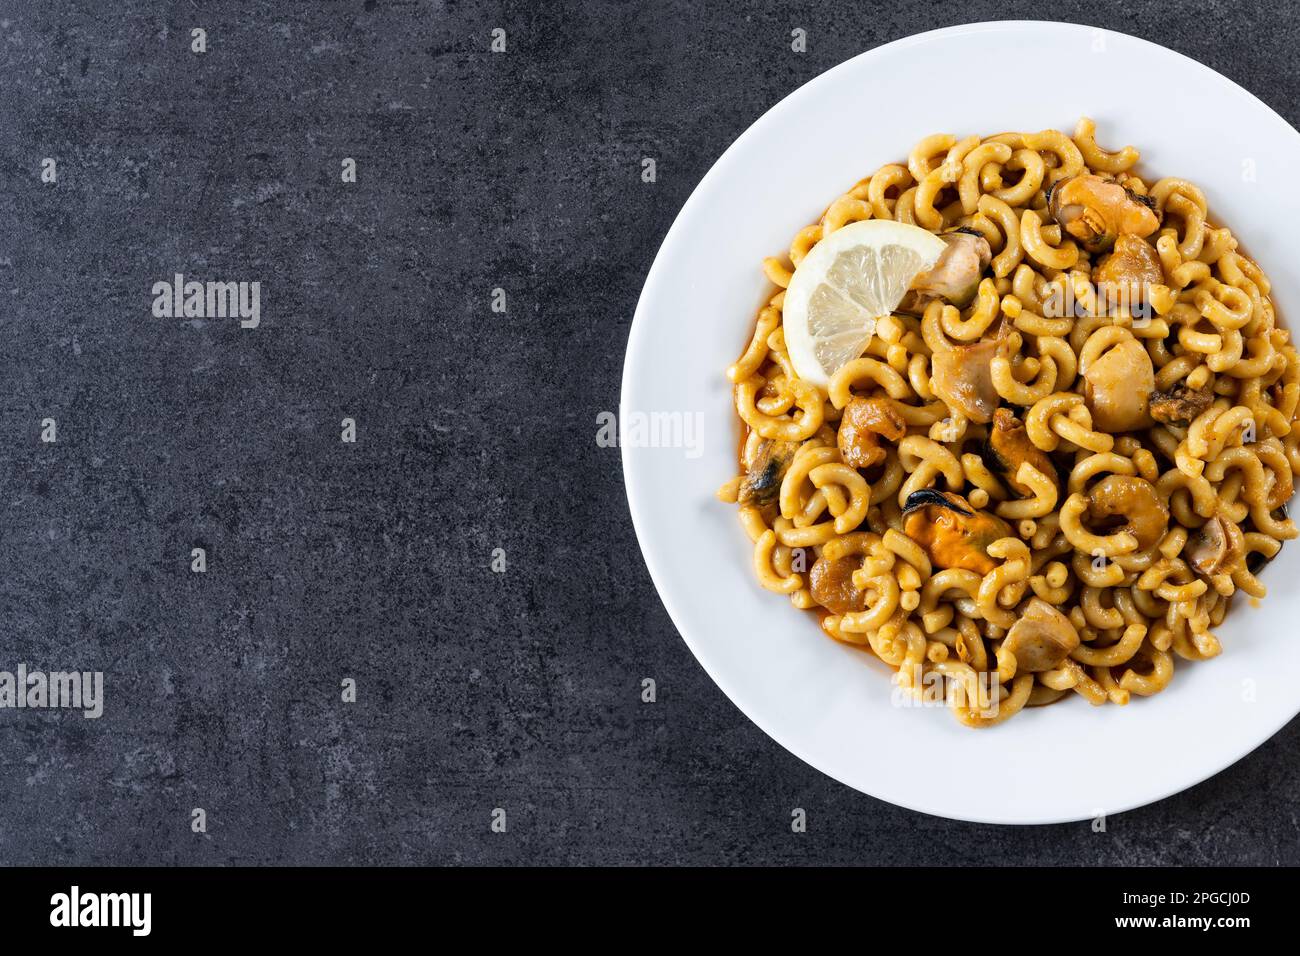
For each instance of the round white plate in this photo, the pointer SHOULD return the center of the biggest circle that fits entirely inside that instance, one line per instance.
(832, 705)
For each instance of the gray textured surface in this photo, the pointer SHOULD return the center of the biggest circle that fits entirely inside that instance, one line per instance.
(476, 431)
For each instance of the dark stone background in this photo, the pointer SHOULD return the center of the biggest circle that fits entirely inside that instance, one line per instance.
(476, 431)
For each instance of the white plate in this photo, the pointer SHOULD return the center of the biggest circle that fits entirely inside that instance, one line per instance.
(831, 705)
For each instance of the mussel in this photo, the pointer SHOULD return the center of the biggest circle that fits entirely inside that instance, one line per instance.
(762, 483)
(1097, 211)
(953, 533)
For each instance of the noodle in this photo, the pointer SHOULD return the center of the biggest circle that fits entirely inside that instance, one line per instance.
(1090, 520)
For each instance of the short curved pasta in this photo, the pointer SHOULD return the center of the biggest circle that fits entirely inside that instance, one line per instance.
(1033, 488)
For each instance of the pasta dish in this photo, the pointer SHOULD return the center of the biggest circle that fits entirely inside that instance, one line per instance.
(1018, 422)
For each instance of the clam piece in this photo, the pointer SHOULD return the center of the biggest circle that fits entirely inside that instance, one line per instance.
(1042, 639)
(963, 377)
(1118, 386)
(1097, 211)
(762, 482)
(1180, 404)
(1132, 498)
(1130, 270)
(831, 585)
(862, 424)
(955, 276)
(952, 532)
(1218, 547)
(1010, 446)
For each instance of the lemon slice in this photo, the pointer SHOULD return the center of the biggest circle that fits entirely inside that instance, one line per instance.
(854, 276)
